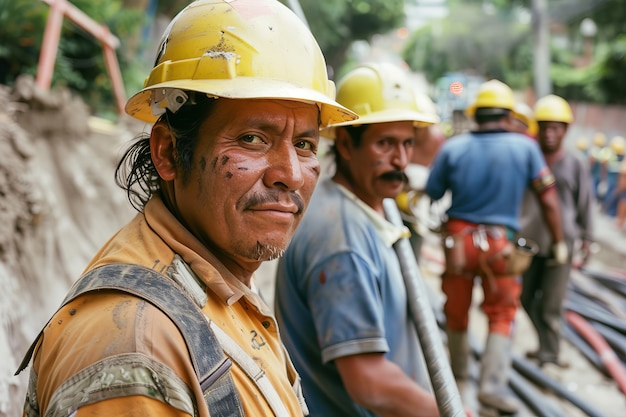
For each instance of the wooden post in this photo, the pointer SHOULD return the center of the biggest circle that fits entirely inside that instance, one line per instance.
(50, 44)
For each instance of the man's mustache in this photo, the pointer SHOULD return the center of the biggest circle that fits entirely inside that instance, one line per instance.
(270, 196)
(395, 176)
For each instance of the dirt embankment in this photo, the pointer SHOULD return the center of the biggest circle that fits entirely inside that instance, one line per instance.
(58, 204)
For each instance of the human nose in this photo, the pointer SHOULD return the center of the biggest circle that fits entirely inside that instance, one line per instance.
(400, 156)
(284, 168)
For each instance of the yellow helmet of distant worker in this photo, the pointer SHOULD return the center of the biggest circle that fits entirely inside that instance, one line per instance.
(599, 139)
(582, 144)
(237, 49)
(380, 93)
(525, 114)
(492, 94)
(553, 108)
(618, 145)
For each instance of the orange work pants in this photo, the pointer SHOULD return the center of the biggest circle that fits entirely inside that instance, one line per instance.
(501, 291)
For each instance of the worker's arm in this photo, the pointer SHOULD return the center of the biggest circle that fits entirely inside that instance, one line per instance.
(382, 387)
(551, 209)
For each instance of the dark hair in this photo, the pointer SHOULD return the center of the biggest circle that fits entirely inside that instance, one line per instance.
(486, 115)
(136, 173)
(355, 132)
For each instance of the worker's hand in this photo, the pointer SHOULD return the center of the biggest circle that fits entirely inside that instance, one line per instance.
(560, 252)
(587, 248)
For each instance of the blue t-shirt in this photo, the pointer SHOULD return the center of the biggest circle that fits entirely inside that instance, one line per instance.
(487, 174)
(340, 292)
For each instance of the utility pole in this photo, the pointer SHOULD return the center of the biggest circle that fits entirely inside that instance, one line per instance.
(294, 5)
(541, 48)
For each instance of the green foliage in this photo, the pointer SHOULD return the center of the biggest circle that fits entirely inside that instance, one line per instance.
(337, 23)
(20, 38)
(602, 81)
(79, 62)
(472, 40)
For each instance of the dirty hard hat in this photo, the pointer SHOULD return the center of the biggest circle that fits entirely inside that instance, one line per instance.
(492, 94)
(238, 49)
(380, 93)
(553, 108)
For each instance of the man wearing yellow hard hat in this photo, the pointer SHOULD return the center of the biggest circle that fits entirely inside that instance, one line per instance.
(167, 320)
(487, 172)
(340, 296)
(617, 147)
(545, 281)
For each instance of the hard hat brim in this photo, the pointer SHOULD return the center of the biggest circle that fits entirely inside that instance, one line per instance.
(331, 112)
(393, 115)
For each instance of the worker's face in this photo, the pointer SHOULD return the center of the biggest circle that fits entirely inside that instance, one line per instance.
(551, 135)
(376, 166)
(254, 170)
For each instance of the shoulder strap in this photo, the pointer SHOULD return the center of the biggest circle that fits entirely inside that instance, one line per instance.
(212, 366)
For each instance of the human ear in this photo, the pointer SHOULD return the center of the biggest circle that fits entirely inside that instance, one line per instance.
(162, 149)
(343, 143)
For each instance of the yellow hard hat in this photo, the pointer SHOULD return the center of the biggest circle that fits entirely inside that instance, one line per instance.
(524, 113)
(239, 49)
(581, 144)
(618, 144)
(426, 106)
(599, 139)
(553, 108)
(380, 93)
(492, 94)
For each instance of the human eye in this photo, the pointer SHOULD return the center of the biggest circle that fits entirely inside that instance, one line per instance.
(384, 145)
(306, 145)
(251, 139)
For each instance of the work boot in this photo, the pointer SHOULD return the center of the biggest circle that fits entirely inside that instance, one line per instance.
(458, 345)
(494, 375)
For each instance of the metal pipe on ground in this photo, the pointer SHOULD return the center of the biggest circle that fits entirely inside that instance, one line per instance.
(615, 339)
(533, 399)
(442, 379)
(593, 313)
(535, 375)
(607, 355)
(584, 348)
(611, 281)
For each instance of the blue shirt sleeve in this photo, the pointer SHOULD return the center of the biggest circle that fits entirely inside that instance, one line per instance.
(437, 182)
(345, 304)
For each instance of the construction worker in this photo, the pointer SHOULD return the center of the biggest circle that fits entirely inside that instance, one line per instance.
(418, 213)
(166, 320)
(598, 173)
(582, 145)
(523, 120)
(340, 298)
(487, 172)
(545, 281)
(621, 197)
(617, 147)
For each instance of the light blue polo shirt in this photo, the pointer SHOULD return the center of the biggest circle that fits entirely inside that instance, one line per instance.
(487, 174)
(340, 292)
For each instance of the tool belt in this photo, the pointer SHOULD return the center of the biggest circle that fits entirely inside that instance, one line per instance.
(484, 250)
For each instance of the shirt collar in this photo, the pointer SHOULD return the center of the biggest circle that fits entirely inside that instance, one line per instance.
(201, 261)
(386, 230)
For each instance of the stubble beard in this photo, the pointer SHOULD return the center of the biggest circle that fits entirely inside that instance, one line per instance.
(268, 252)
